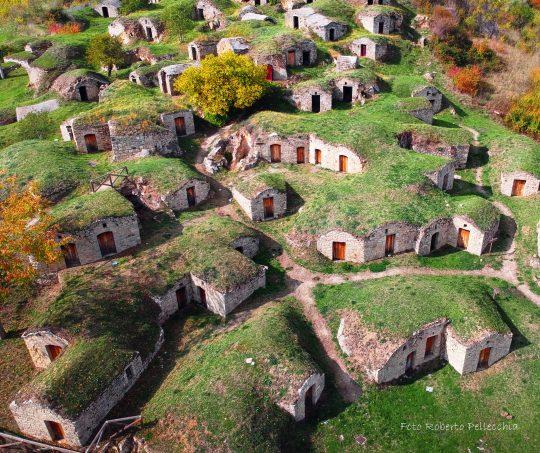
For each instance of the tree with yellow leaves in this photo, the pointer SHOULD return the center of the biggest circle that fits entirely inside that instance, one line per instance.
(24, 232)
(223, 83)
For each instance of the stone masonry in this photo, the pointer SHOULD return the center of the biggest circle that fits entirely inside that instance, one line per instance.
(254, 208)
(37, 341)
(531, 186)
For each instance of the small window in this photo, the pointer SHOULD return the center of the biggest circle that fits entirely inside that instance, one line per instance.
(129, 373)
(104, 225)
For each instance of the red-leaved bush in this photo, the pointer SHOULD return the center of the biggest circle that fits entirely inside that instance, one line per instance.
(467, 80)
(69, 28)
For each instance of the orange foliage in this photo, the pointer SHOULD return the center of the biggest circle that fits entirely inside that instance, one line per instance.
(23, 233)
(64, 29)
(467, 80)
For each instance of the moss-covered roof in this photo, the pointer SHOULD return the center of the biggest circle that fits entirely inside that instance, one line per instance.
(58, 57)
(465, 301)
(362, 75)
(517, 153)
(164, 174)
(411, 104)
(79, 212)
(250, 184)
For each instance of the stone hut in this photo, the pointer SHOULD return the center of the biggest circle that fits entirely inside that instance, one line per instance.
(180, 121)
(145, 76)
(519, 184)
(443, 178)
(294, 4)
(348, 88)
(128, 31)
(207, 10)
(322, 26)
(98, 225)
(79, 85)
(107, 8)
(38, 46)
(167, 75)
(380, 20)
(42, 107)
(370, 47)
(275, 148)
(152, 28)
(346, 63)
(262, 196)
(307, 396)
(311, 97)
(89, 137)
(200, 48)
(432, 94)
(334, 157)
(45, 345)
(371, 2)
(238, 45)
(419, 107)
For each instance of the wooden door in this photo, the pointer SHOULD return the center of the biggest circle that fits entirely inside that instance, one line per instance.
(518, 187)
(180, 126)
(363, 50)
(202, 296)
(275, 153)
(318, 156)
(181, 297)
(268, 205)
(430, 344)
(269, 72)
(291, 58)
(463, 238)
(300, 155)
(315, 103)
(83, 94)
(343, 164)
(90, 141)
(107, 246)
(70, 255)
(191, 196)
(483, 360)
(338, 251)
(409, 364)
(53, 351)
(389, 244)
(55, 430)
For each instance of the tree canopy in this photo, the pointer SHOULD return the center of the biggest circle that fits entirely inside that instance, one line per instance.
(104, 50)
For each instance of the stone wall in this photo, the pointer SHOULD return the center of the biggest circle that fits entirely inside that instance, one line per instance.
(167, 119)
(167, 75)
(395, 366)
(178, 201)
(299, 48)
(478, 240)
(277, 61)
(253, 207)
(68, 87)
(446, 235)
(319, 25)
(152, 29)
(198, 50)
(289, 145)
(36, 342)
(346, 63)
(374, 242)
(302, 98)
(330, 156)
(125, 231)
(249, 245)
(167, 302)
(433, 95)
(458, 153)
(42, 107)
(532, 184)
(31, 414)
(79, 129)
(371, 23)
(298, 408)
(464, 357)
(111, 5)
(354, 247)
(359, 90)
(444, 177)
(374, 50)
(127, 145)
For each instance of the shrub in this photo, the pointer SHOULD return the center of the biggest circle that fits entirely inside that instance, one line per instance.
(524, 114)
(443, 21)
(35, 126)
(453, 47)
(179, 18)
(104, 50)
(130, 6)
(467, 80)
(64, 29)
(223, 83)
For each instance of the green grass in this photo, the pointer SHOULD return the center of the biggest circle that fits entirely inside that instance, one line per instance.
(381, 304)
(251, 183)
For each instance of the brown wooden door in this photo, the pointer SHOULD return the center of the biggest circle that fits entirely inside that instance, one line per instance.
(343, 164)
(318, 156)
(180, 126)
(483, 360)
(430, 344)
(463, 238)
(268, 205)
(70, 255)
(107, 246)
(202, 296)
(181, 297)
(300, 155)
(275, 153)
(389, 244)
(191, 196)
(55, 430)
(53, 351)
(338, 251)
(269, 72)
(363, 50)
(90, 140)
(409, 364)
(518, 187)
(291, 58)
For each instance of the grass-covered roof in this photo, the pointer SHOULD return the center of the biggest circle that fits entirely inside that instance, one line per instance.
(363, 75)
(398, 306)
(251, 183)
(79, 212)
(58, 57)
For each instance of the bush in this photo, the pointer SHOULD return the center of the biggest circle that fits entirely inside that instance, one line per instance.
(223, 83)
(35, 126)
(443, 21)
(130, 6)
(454, 47)
(104, 50)
(179, 18)
(524, 114)
(467, 80)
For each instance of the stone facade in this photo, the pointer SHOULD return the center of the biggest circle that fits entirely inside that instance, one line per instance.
(168, 120)
(177, 200)
(238, 45)
(276, 65)
(31, 414)
(42, 107)
(128, 31)
(443, 178)
(433, 95)
(378, 22)
(198, 50)
(479, 240)
(346, 63)
(303, 98)
(294, 4)
(75, 86)
(167, 75)
(297, 408)
(247, 245)
(78, 131)
(464, 358)
(108, 8)
(331, 156)
(308, 19)
(529, 186)
(435, 235)
(208, 11)
(38, 342)
(426, 145)
(263, 143)
(125, 231)
(369, 48)
(153, 29)
(146, 78)
(253, 205)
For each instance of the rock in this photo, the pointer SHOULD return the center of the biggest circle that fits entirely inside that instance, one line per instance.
(126, 445)
(249, 9)
(429, 76)
(360, 440)
(429, 389)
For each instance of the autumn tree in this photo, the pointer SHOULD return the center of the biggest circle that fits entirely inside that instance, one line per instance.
(24, 233)
(105, 50)
(223, 83)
